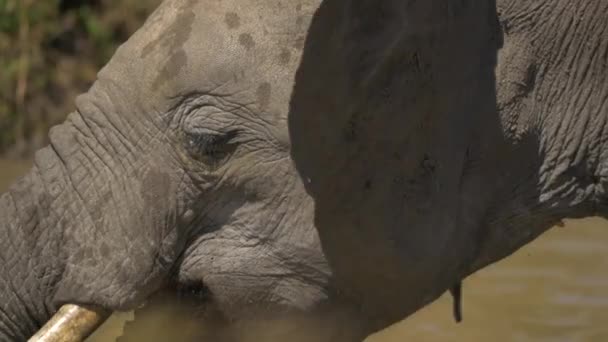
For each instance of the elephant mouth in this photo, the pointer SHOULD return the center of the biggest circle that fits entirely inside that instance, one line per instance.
(74, 322)
(71, 323)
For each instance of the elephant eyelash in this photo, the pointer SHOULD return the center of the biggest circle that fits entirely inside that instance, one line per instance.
(209, 140)
(211, 145)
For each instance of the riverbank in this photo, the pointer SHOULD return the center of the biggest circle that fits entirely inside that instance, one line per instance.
(50, 52)
(11, 170)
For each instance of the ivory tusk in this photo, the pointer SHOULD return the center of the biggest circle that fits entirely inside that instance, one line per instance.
(72, 323)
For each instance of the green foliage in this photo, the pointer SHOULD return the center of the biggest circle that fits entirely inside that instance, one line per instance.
(8, 18)
(50, 53)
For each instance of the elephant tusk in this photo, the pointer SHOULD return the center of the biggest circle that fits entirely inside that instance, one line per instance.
(72, 323)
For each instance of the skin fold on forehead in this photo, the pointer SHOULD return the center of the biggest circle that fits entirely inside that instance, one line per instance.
(226, 48)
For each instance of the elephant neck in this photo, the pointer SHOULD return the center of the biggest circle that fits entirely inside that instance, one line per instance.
(553, 90)
(29, 257)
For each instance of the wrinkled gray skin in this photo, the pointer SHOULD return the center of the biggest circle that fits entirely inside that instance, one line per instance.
(284, 155)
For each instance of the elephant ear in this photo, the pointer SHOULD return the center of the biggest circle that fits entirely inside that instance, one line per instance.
(456, 292)
(384, 153)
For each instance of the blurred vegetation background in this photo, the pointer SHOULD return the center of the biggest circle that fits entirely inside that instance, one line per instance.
(50, 51)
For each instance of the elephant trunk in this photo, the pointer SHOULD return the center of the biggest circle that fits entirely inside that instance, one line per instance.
(71, 323)
(87, 224)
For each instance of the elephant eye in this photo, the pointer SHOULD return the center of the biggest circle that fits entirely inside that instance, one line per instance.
(214, 146)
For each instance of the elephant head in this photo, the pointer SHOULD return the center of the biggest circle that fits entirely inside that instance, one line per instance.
(174, 169)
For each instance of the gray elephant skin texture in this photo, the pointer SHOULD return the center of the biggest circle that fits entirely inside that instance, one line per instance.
(279, 157)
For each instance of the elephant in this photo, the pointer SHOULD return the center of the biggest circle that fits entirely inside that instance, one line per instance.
(286, 157)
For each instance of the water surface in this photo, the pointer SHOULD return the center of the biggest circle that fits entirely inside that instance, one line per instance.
(555, 289)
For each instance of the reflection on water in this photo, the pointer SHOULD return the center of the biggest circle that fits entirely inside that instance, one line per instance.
(555, 289)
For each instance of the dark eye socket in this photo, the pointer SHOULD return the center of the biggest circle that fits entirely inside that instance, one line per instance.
(212, 145)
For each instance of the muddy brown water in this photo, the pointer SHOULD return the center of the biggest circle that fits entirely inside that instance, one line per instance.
(555, 289)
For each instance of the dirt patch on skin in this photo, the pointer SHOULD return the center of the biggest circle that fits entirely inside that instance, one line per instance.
(232, 20)
(171, 68)
(169, 45)
(246, 40)
(284, 57)
(263, 95)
